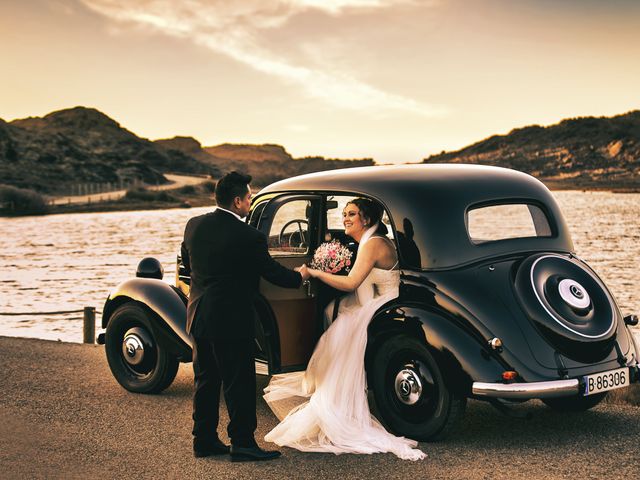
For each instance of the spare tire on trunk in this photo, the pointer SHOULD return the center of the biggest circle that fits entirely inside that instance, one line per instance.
(569, 304)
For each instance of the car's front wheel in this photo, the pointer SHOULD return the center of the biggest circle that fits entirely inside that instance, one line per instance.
(410, 391)
(138, 362)
(575, 403)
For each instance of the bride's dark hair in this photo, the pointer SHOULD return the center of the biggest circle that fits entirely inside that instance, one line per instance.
(372, 211)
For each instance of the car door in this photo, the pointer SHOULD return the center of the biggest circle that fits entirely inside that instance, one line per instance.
(291, 223)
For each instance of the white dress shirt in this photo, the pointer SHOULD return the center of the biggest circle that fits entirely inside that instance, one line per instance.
(232, 213)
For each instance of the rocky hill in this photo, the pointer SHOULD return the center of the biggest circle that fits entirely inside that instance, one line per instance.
(265, 163)
(83, 145)
(250, 153)
(587, 152)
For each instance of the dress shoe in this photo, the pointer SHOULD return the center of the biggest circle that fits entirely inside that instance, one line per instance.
(208, 448)
(252, 454)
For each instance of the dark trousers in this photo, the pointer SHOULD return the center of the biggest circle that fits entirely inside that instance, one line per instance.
(228, 364)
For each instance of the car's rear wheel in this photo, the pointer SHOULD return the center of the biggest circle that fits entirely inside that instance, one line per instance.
(410, 392)
(138, 362)
(575, 403)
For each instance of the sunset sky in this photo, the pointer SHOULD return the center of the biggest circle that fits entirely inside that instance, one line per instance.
(395, 80)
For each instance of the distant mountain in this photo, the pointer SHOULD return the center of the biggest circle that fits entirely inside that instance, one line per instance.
(83, 145)
(265, 163)
(583, 152)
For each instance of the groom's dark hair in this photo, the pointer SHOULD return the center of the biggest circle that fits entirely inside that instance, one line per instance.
(233, 184)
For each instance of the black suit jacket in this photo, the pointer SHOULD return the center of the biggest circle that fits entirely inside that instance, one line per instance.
(226, 258)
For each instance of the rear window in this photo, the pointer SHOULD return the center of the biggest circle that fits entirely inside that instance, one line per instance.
(500, 222)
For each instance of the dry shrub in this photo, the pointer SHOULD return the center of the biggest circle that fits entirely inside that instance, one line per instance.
(15, 200)
(208, 186)
(144, 195)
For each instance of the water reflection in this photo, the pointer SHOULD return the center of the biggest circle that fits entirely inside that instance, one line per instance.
(66, 262)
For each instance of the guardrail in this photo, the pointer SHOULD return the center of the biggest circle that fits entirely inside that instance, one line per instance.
(93, 188)
(88, 318)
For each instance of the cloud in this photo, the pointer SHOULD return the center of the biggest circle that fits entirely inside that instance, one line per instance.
(236, 29)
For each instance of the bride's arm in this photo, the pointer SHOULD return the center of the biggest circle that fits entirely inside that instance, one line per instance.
(365, 261)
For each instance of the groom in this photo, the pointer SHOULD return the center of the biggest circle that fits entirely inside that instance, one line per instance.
(226, 258)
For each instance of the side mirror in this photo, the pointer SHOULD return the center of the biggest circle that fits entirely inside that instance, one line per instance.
(631, 320)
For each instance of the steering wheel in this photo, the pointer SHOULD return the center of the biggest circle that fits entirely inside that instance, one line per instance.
(303, 233)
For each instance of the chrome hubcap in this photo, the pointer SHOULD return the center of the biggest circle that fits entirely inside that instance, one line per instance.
(133, 349)
(574, 294)
(408, 386)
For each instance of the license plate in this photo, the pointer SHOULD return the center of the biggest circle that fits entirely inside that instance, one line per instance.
(601, 382)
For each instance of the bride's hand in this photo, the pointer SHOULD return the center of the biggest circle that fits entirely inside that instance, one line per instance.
(303, 270)
(313, 272)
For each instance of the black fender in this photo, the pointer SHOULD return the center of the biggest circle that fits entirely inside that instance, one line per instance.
(463, 358)
(634, 343)
(165, 302)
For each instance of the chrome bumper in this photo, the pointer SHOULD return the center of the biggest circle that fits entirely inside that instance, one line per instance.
(555, 388)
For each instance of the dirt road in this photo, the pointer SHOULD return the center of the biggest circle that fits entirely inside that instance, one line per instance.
(177, 181)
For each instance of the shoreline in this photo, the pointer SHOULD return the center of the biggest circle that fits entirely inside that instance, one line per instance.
(558, 185)
(181, 200)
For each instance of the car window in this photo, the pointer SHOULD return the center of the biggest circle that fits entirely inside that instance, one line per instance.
(289, 233)
(501, 222)
(335, 205)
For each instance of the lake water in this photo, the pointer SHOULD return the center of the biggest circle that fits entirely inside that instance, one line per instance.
(66, 262)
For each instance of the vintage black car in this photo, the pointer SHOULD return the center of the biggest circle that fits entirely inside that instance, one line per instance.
(494, 304)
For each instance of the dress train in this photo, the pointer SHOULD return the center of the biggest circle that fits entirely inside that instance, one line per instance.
(325, 408)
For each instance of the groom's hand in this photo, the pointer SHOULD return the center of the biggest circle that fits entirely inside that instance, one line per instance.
(303, 271)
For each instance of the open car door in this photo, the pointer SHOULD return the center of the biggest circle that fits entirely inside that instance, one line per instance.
(291, 224)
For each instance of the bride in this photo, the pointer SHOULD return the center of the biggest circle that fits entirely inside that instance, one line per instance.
(325, 408)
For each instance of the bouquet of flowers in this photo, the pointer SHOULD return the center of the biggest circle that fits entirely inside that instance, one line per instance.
(332, 257)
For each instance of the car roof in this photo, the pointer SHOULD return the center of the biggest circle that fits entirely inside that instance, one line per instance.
(429, 202)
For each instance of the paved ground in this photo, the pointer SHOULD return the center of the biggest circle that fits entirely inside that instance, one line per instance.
(177, 181)
(62, 415)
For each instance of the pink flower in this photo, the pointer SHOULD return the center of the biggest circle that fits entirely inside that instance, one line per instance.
(331, 257)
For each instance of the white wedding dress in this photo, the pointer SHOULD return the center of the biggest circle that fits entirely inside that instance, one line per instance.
(325, 408)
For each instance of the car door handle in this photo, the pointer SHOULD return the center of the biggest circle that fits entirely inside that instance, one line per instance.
(307, 285)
